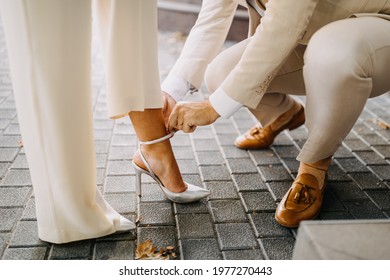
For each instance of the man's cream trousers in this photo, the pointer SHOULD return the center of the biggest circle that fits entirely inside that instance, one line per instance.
(345, 63)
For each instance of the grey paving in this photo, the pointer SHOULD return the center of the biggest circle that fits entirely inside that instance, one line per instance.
(235, 222)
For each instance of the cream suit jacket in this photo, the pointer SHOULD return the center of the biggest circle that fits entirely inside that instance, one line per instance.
(285, 24)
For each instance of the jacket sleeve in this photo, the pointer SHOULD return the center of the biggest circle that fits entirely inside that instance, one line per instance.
(205, 40)
(283, 25)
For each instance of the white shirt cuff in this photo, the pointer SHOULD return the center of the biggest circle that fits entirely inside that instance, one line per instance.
(223, 104)
(175, 87)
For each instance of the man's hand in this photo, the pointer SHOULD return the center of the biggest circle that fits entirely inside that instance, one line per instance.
(168, 104)
(187, 116)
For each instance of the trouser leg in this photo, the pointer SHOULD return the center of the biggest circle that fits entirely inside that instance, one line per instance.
(49, 46)
(346, 62)
(128, 40)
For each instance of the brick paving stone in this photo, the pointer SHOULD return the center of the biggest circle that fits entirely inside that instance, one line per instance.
(249, 182)
(4, 238)
(29, 212)
(370, 158)
(367, 181)
(120, 167)
(292, 165)
(205, 145)
(191, 208)
(123, 128)
(382, 171)
(102, 135)
(4, 124)
(12, 129)
(264, 157)
(122, 202)
(31, 253)
(215, 173)
(7, 113)
(79, 250)
(242, 239)
(100, 174)
(161, 236)
(120, 250)
(384, 151)
(258, 202)
(204, 132)
(227, 139)
(278, 189)
(339, 215)
(3, 169)
(101, 160)
(381, 198)
(121, 152)
(343, 152)
(103, 124)
(115, 184)
(7, 141)
(275, 173)
(232, 152)
(184, 152)
(8, 218)
(20, 178)
(224, 128)
(20, 162)
(180, 139)
(188, 166)
(194, 179)
(356, 145)
(123, 140)
(351, 165)
(194, 226)
(221, 190)
(227, 211)
(287, 151)
(282, 139)
(266, 226)
(335, 173)
(14, 197)
(240, 166)
(8, 154)
(364, 210)
(209, 158)
(152, 192)
(374, 139)
(278, 248)
(347, 191)
(155, 214)
(26, 235)
(102, 147)
(298, 133)
(253, 254)
(200, 249)
(331, 202)
(361, 128)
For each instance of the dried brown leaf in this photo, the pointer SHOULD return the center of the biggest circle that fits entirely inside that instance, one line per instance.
(147, 251)
(382, 124)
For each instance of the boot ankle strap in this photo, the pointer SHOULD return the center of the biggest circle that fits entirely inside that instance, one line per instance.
(158, 140)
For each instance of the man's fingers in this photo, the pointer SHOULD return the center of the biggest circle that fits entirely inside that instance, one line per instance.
(172, 121)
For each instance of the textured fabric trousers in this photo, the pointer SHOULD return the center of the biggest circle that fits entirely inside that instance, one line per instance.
(345, 63)
(49, 47)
